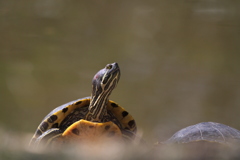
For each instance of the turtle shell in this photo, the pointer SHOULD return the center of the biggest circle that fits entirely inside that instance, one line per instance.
(65, 115)
(206, 131)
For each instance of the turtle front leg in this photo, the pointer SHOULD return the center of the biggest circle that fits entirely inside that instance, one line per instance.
(47, 137)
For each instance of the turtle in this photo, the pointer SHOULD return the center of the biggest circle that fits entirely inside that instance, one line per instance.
(206, 132)
(88, 118)
(205, 140)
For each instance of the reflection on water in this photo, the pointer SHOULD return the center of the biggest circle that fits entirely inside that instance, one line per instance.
(179, 61)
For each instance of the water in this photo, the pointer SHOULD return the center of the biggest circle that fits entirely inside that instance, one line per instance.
(179, 60)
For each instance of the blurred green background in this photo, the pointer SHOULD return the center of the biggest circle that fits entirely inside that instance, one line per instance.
(179, 60)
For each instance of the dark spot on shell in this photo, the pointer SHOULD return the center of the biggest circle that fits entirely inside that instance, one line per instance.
(131, 123)
(75, 131)
(44, 126)
(52, 118)
(124, 113)
(79, 102)
(110, 134)
(38, 132)
(90, 126)
(55, 125)
(64, 110)
(107, 127)
(114, 105)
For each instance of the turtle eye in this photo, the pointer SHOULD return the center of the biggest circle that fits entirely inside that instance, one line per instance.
(109, 66)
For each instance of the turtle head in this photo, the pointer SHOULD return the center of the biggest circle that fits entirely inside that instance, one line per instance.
(102, 85)
(106, 79)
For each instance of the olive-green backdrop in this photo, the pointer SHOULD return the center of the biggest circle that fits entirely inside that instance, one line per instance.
(179, 60)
